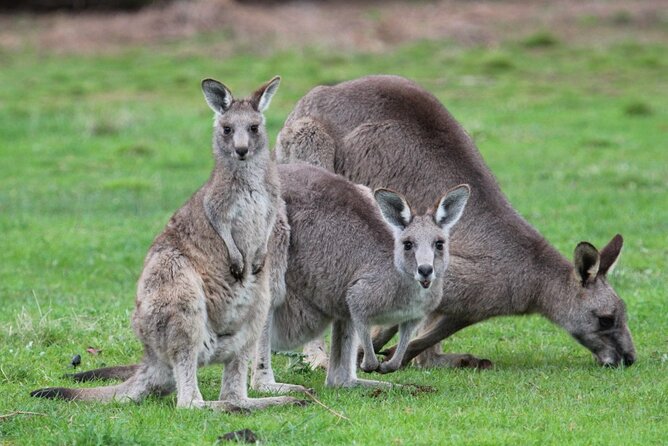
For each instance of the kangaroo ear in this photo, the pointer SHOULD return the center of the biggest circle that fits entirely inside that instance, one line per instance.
(262, 96)
(394, 208)
(587, 261)
(217, 95)
(610, 255)
(451, 207)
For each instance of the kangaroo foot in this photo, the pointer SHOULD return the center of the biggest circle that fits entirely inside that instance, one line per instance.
(316, 354)
(281, 388)
(249, 404)
(367, 383)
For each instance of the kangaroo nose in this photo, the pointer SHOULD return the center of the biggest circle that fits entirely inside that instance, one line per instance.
(425, 270)
(241, 151)
(629, 359)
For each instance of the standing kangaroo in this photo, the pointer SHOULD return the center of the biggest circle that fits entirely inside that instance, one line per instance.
(388, 131)
(356, 262)
(203, 295)
(355, 258)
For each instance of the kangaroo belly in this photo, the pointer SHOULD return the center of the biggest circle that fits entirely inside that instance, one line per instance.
(235, 316)
(296, 322)
(182, 307)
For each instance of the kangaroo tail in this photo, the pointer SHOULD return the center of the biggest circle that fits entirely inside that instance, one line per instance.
(109, 393)
(145, 379)
(120, 372)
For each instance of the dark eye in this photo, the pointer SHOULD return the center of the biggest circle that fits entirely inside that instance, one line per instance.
(408, 246)
(606, 322)
(254, 128)
(439, 245)
(227, 130)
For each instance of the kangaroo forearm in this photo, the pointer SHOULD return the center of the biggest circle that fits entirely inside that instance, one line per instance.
(436, 332)
(406, 330)
(382, 335)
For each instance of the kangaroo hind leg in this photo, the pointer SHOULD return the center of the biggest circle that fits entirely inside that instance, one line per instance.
(234, 391)
(342, 371)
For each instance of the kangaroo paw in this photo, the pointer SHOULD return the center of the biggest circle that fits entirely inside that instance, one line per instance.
(237, 271)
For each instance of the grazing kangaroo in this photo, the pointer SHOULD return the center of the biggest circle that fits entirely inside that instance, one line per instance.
(387, 131)
(203, 295)
(355, 258)
(356, 262)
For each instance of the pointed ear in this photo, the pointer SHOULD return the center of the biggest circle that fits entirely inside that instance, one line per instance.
(587, 261)
(451, 207)
(262, 96)
(610, 255)
(394, 208)
(217, 95)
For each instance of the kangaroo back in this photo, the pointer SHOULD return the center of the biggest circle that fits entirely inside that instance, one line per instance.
(386, 131)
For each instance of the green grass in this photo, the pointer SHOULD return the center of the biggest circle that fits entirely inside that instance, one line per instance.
(98, 151)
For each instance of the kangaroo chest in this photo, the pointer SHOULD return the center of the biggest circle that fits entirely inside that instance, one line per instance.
(250, 218)
(409, 303)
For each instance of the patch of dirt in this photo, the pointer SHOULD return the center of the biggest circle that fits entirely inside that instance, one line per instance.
(416, 389)
(377, 393)
(412, 389)
(362, 26)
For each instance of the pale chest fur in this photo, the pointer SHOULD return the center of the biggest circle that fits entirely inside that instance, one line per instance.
(251, 215)
(410, 301)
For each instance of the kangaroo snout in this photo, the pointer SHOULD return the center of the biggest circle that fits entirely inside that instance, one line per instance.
(425, 270)
(426, 274)
(629, 359)
(241, 151)
(615, 359)
(608, 359)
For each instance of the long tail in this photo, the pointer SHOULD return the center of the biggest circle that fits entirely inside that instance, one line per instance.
(136, 387)
(120, 372)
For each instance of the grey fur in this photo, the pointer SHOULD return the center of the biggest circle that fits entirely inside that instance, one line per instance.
(387, 131)
(204, 292)
(348, 266)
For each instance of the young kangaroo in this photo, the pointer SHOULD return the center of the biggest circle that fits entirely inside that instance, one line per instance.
(356, 258)
(356, 262)
(203, 295)
(388, 131)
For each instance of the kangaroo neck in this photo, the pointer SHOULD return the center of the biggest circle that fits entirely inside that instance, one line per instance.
(409, 289)
(247, 172)
(506, 266)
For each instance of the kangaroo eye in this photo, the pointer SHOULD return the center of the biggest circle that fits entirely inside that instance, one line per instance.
(606, 322)
(227, 130)
(439, 245)
(254, 128)
(408, 246)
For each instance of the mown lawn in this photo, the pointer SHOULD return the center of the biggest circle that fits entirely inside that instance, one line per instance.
(98, 151)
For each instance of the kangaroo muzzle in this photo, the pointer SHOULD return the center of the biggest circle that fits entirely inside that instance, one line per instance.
(241, 152)
(425, 275)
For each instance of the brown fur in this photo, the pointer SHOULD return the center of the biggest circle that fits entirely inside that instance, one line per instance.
(203, 294)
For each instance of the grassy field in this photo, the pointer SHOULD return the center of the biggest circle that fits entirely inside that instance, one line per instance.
(98, 151)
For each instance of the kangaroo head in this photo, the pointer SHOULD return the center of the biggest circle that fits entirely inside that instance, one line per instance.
(421, 241)
(239, 130)
(598, 318)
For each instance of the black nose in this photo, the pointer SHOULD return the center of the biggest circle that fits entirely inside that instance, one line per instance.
(629, 359)
(425, 270)
(241, 151)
